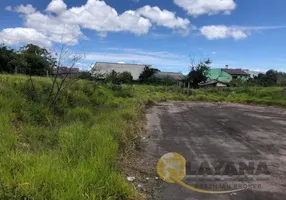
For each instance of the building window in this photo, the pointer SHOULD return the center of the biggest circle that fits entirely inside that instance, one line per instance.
(234, 77)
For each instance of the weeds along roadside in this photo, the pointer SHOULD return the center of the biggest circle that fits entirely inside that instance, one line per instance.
(71, 151)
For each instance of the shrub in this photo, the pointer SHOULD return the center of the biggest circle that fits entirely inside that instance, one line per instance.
(125, 77)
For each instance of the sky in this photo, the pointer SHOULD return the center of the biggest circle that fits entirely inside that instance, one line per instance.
(166, 34)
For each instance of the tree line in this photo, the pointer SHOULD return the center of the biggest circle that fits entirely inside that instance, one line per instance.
(267, 79)
(34, 60)
(29, 59)
(198, 74)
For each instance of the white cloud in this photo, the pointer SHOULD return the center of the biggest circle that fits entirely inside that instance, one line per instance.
(258, 28)
(28, 9)
(159, 35)
(200, 7)
(163, 17)
(222, 32)
(161, 54)
(130, 21)
(52, 27)
(55, 29)
(82, 65)
(56, 6)
(214, 32)
(8, 8)
(62, 24)
(238, 34)
(99, 16)
(11, 36)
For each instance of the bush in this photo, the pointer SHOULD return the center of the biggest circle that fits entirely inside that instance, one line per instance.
(119, 78)
(126, 77)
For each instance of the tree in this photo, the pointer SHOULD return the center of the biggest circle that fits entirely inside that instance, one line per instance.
(31, 60)
(17, 64)
(271, 76)
(39, 60)
(147, 73)
(198, 73)
(126, 77)
(267, 79)
(113, 77)
(119, 78)
(60, 83)
(6, 55)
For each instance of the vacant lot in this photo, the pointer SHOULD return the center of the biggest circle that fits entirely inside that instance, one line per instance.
(77, 149)
(219, 131)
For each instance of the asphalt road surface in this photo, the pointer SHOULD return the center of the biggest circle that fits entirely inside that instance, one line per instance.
(219, 131)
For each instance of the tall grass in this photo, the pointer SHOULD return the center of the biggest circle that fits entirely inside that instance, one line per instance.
(250, 95)
(70, 152)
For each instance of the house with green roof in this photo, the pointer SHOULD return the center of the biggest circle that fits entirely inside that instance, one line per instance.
(226, 75)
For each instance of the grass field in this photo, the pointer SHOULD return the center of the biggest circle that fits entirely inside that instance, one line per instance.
(251, 95)
(71, 153)
(74, 150)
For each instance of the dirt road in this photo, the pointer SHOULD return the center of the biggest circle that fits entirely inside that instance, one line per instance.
(219, 131)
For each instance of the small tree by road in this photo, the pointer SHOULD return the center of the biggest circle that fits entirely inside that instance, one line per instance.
(198, 73)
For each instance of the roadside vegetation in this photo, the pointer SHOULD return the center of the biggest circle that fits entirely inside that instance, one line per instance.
(275, 96)
(71, 151)
(250, 95)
